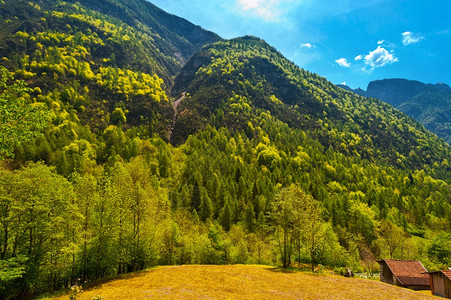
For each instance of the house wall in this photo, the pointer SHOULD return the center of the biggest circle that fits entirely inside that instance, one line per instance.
(439, 284)
(442, 285)
(386, 275)
(447, 288)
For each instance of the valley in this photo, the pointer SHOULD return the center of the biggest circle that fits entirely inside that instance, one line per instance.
(131, 138)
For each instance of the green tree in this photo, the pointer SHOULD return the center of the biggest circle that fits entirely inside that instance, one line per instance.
(10, 271)
(118, 117)
(249, 217)
(170, 241)
(196, 197)
(86, 189)
(392, 237)
(42, 223)
(298, 219)
(20, 119)
(226, 216)
(286, 218)
(440, 249)
(313, 226)
(206, 208)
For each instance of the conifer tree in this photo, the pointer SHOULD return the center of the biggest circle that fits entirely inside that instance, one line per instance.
(195, 198)
(206, 208)
(226, 216)
(249, 217)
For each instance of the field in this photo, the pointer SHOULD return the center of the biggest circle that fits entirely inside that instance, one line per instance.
(241, 282)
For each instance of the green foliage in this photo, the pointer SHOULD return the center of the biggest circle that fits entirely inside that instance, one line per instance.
(226, 216)
(86, 63)
(392, 237)
(20, 119)
(298, 225)
(440, 249)
(118, 116)
(39, 222)
(11, 270)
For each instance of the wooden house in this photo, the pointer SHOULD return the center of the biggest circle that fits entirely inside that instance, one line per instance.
(441, 283)
(405, 273)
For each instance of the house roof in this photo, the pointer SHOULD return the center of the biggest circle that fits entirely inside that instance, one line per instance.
(407, 280)
(447, 273)
(408, 272)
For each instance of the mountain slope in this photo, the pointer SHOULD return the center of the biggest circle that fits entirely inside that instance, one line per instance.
(248, 74)
(165, 49)
(428, 104)
(178, 37)
(97, 63)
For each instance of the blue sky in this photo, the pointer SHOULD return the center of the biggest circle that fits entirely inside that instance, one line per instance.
(351, 41)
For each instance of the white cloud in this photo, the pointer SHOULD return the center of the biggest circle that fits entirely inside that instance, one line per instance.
(342, 62)
(306, 45)
(410, 38)
(358, 57)
(380, 42)
(251, 4)
(269, 10)
(343, 83)
(446, 31)
(379, 58)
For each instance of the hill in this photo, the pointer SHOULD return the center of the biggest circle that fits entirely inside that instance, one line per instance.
(245, 282)
(427, 103)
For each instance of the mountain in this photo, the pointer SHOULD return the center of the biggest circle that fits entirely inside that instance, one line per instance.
(166, 144)
(253, 74)
(358, 91)
(78, 50)
(442, 86)
(175, 37)
(427, 103)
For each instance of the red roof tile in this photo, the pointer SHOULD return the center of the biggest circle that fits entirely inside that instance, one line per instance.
(406, 280)
(408, 272)
(447, 273)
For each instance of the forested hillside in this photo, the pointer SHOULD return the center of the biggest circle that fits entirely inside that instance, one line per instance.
(266, 163)
(98, 63)
(428, 104)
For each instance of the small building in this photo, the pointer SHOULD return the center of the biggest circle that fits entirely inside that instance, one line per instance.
(405, 273)
(441, 283)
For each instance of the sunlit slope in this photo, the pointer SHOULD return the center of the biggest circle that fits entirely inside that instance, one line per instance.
(96, 65)
(232, 82)
(242, 282)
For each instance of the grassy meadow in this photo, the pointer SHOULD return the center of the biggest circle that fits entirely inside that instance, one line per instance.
(241, 282)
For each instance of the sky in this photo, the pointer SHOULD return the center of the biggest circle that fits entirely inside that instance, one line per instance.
(346, 41)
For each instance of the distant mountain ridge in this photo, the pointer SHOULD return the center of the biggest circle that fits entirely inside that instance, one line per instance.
(430, 104)
(184, 37)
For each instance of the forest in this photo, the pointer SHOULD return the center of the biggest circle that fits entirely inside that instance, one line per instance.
(266, 163)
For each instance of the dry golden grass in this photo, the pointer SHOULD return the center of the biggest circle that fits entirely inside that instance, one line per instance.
(242, 282)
